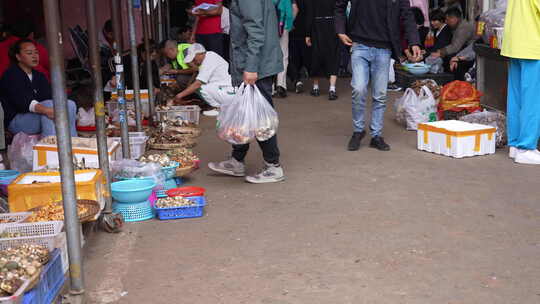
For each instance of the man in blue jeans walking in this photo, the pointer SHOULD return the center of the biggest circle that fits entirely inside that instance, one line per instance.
(374, 28)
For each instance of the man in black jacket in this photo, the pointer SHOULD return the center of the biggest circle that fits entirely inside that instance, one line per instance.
(374, 34)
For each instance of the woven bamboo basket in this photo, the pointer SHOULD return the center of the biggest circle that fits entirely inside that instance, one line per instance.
(184, 142)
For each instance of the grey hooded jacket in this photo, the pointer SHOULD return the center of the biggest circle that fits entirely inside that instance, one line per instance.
(254, 39)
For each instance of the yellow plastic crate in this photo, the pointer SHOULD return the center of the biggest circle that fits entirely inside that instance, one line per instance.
(34, 189)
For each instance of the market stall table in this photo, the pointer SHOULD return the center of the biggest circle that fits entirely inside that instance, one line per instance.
(492, 76)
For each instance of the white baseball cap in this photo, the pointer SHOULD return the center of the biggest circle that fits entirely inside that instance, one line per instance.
(192, 51)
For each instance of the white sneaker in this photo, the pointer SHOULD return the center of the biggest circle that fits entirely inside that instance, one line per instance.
(211, 113)
(512, 153)
(270, 174)
(529, 157)
(230, 167)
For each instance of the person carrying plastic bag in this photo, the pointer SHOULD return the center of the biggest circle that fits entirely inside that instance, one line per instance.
(256, 57)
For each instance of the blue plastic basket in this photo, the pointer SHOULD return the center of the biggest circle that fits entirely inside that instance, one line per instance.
(120, 178)
(6, 177)
(169, 184)
(50, 282)
(135, 212)
(133, 190)
(183, 212)
(161, 193)
(170, 172)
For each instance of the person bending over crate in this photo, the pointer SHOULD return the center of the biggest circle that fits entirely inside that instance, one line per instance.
(213, 82)
(175, 53)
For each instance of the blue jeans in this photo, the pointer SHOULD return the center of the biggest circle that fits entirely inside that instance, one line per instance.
(369, 64)
(33, 123)
(523, 104)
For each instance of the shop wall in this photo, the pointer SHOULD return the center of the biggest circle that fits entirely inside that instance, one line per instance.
(31, 10)
(73, 12)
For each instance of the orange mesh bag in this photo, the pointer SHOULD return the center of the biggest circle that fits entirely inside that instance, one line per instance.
(459, 96)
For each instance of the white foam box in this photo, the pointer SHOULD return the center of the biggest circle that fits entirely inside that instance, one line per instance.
(137, 143)
(47, 154)
(456, 139)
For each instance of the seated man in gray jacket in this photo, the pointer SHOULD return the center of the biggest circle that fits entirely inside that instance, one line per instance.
(463, 62)
(464, 34)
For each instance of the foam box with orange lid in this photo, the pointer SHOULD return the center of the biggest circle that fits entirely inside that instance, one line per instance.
(456, 139)
(46, 152)
(35, 189)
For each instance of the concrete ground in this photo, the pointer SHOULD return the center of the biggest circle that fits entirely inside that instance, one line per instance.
(346, 227)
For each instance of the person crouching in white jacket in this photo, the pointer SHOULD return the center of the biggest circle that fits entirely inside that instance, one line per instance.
(213, 82)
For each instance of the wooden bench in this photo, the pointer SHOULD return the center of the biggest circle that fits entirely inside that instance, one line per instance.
(405, 79)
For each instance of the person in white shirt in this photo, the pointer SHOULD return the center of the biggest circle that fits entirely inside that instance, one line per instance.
(213, 82)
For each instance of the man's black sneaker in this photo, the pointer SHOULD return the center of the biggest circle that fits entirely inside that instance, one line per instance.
(299, 87)
(356, 139)
(281, 92)
(332, 95)
(378, 143)
(393, 88)
(315, 92)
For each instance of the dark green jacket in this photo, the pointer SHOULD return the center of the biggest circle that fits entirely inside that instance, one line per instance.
(254, 39)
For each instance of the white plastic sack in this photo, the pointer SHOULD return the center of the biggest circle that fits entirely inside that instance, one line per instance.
(20, 152)
(391, 71)
(501, 4)
(248, 116)
(412, 109)
(225, 21)
(129, 168)
(490, 118)
(86, 118)
(130, 114)
(436, 65)
(493, 18)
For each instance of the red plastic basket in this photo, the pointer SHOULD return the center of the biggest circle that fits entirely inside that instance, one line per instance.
(86, 129)
(186, 191)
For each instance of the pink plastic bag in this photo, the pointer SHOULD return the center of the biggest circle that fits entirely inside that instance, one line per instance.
(20, 152)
